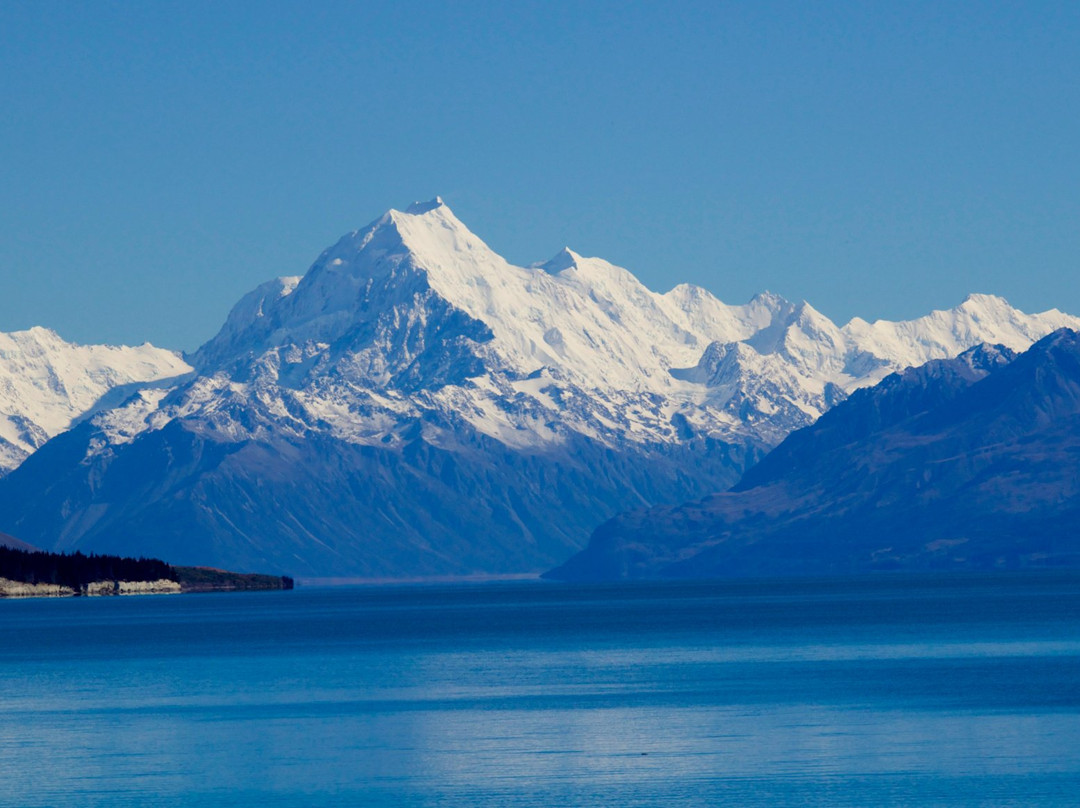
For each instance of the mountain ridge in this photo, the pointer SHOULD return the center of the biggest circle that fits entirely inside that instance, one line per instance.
(412, 356)
(969, 463)
(47, 384)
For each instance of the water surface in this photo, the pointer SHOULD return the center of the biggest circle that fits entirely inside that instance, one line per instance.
(902, 691)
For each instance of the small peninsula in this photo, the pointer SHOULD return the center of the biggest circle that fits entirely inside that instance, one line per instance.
(35, 573)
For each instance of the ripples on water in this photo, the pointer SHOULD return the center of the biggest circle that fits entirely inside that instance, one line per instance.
(881, 691)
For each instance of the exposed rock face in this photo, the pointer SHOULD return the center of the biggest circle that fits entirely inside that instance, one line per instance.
(416, 405)
(972, 463)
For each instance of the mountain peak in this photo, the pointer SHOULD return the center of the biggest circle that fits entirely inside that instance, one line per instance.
(420, 208)
(986, 356)
(771, 301)
(977, 300)
(562, 260)
(1065, 336)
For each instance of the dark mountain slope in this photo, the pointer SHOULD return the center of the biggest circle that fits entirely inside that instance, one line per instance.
(972, 463)
(318, 506)
(15, 544)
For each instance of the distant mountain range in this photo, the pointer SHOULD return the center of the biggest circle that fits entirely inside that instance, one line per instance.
(962, 464)
(414, 404)
(47, 383)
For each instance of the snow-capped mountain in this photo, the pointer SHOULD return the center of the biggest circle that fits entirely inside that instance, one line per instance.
(788, 373)
(415, 312)
(416, 404)
(959, 464)
(46, 383)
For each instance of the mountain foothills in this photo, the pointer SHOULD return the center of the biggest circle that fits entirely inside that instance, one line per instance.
(969, 463)
(416, 405)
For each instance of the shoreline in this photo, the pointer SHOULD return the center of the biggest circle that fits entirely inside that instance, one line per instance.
(94, 589)
(356, 580)
(193, 581)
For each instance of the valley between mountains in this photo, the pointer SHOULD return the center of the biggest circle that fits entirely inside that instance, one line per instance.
(415, 405)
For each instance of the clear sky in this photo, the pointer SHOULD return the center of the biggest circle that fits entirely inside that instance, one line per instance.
(157, 160)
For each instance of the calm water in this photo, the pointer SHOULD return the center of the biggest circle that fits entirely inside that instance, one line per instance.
(882, 691)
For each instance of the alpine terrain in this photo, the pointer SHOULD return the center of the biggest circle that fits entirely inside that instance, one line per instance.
(416, 405)
(968, 463)
(47, 383)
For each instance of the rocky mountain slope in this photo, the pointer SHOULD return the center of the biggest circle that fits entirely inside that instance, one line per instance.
(414, 404)
(46, 383)
(970, 463)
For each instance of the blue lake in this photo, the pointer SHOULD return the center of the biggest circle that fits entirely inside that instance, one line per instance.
(919, 691)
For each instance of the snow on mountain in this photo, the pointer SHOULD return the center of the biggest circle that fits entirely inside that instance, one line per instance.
(587, 319)
(415, 313)
(963, 464)
(800, 364)
(46, 383)
(415, 403)
(979, 318)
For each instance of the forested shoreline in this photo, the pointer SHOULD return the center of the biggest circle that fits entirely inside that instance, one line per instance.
(81, 573)
(77, 569)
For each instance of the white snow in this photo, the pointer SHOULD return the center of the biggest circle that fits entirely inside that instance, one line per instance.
(46, 383)
(414, 320)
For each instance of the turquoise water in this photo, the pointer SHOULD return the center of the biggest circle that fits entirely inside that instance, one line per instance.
(882, 691)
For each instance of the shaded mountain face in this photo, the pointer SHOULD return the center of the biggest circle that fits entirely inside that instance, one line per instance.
(47, 383)
(414, 404)
(15, 544)
(970, 463)
(322, 506)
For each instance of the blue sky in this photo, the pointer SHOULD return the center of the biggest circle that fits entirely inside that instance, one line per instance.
(876, 159)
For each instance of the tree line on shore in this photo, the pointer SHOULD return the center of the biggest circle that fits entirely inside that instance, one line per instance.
(78, 569)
